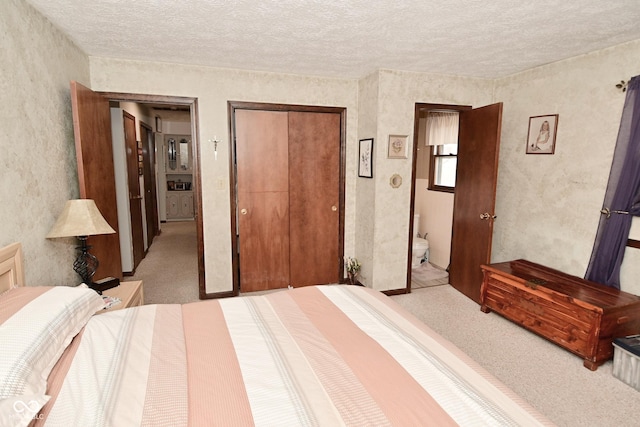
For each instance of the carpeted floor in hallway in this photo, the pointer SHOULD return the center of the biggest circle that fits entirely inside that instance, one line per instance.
(170, 269)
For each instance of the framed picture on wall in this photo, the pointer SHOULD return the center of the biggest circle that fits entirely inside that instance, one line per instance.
(365, 158)
(397, 147)
(541, 138)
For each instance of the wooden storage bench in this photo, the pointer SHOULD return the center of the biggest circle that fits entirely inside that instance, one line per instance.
(581, 316)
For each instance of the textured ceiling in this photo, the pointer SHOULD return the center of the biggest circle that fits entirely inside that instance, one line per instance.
(347, 38)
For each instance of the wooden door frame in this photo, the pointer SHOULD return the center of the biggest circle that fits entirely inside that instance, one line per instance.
(195, 152)
(240, 105)
(420, 107)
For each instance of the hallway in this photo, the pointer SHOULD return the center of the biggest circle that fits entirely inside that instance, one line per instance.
(170, 269)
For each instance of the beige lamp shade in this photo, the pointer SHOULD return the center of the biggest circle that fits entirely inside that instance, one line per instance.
(80, 217)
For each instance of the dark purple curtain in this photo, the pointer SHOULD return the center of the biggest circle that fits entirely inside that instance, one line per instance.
(622, 198)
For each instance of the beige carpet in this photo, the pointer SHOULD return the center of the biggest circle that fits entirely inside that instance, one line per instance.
(170, 269)
(549, 378)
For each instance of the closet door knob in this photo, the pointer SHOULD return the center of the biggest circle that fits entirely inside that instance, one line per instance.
(487, 215)
(334, 208)
(243, 211)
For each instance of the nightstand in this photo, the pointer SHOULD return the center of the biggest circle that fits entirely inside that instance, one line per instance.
(130, 293)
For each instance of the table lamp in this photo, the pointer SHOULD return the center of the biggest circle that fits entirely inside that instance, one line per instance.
(81, 218)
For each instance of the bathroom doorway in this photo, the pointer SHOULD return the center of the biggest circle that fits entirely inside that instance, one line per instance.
(473, 191)
(433, 187)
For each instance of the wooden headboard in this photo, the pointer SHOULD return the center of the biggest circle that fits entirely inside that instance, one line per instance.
(11, 268)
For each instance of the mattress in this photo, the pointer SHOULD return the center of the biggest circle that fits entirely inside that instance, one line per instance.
(321, 355)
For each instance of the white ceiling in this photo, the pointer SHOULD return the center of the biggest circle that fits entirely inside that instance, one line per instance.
(347, 38)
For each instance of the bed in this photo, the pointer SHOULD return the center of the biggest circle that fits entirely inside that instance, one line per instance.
(321, 355)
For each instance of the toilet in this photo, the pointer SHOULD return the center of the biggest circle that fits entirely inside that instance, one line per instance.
(419, 246)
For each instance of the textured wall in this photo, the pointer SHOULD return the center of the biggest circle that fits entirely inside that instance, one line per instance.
(377, 217)
(213, 88)
(366, 187)
(398, 94)
(36, 139)
(548, 205)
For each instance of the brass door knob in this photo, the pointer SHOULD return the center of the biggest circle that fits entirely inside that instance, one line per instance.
(334, 208)
(487, 215)
(243, 211)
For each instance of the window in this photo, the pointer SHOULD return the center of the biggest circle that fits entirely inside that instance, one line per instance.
(442, 137)
(444, 159)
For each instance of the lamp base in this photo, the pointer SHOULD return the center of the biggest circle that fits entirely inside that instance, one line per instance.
(85, 264)
(104, 284)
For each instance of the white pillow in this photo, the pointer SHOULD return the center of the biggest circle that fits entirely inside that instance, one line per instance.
(36, 333)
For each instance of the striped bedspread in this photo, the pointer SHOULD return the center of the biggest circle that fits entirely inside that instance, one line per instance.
(325, 355)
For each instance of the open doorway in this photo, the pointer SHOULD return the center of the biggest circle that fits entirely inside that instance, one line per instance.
(432, 196)
(169, 268)
(474, 192)
(171, 197)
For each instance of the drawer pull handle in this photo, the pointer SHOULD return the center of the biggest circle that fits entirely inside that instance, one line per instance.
(623, 319)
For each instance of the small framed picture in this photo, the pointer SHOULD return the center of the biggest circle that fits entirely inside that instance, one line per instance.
(397, 147)
(365, 156)
(171, 185)
(158, 124)
(541, 138)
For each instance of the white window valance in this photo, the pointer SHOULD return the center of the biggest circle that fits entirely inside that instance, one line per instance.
(442, 127)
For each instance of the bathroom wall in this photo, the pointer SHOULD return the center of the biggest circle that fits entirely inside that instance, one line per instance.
(436, 219)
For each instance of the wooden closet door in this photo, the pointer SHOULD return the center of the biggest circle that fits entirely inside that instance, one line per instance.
(314, 197)
(263, 199)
